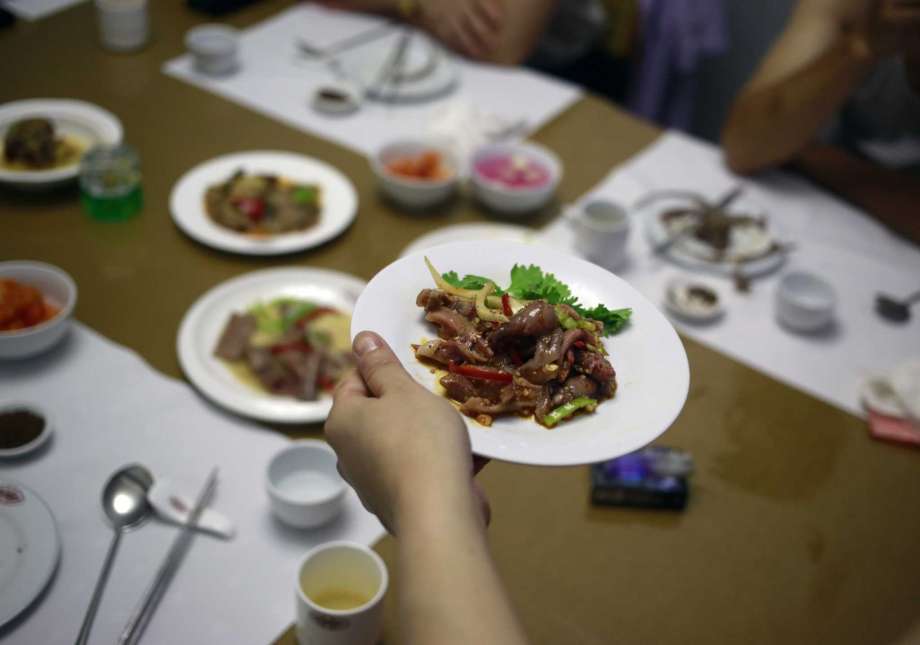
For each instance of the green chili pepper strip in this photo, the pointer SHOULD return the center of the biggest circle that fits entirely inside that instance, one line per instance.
(568, 409)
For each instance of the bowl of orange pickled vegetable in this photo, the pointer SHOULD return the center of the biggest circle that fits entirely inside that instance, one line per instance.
(36, 302)
(415, 173)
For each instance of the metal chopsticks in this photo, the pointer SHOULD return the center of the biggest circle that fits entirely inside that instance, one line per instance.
(151, 599)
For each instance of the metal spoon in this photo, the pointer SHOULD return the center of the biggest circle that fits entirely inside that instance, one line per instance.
(124, 500)
(893, 309)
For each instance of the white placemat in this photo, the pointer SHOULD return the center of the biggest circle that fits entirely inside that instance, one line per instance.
(110, 408)
(845, 246)
(277, 82)
(35, 9)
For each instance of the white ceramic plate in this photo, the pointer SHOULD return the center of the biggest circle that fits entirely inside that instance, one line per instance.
(652, 370)
(88, 124)
(693, 254)
(428, 72)
(205, 320)
(339, 202)
(469, 232)
(29, 548)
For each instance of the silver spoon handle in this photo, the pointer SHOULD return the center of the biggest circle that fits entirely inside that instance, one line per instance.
(912, 298)
(87, 625)
(141, 616)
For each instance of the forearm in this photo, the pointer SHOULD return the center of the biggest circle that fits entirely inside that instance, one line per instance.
(449, 589)
(770, 124)
(889, 196)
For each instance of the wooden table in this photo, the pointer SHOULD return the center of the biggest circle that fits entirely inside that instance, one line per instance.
(800, 528)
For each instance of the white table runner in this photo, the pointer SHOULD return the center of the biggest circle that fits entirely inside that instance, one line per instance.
(852, 251)
(275, 81)
(110, 408)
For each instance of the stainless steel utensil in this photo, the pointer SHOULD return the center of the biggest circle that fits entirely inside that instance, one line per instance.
(893, 309)
(345, 45)
(124, 500)
(391, 69)
(141, 616)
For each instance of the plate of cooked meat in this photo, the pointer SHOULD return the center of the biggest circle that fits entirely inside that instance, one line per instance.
(43, 140)
(730, 235)
(271, 344)
(550, 359)
(263, 203)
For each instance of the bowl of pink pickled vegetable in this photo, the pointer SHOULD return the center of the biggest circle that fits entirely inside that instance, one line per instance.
(515, 178)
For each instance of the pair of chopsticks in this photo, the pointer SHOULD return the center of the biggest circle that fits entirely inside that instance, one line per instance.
(391, 73)
(141, 616)
(343, 46)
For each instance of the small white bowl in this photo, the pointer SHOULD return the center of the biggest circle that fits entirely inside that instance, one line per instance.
(805, 302)
(693, 301)
(37, 442)
(214, 49)
(58, 289)
(303, 484)
(515, 201)
(415, 193)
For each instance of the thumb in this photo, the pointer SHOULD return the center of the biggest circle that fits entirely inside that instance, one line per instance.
(379, 367)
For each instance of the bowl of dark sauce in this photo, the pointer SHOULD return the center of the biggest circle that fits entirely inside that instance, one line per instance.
(24, 427)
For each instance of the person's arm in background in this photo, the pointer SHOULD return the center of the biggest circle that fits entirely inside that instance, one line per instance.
(407, 453)
(498, 31)
(827, 49)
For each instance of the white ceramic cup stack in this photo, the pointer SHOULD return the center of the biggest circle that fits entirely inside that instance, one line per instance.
(214, 49)
(123, 24)
(340, 568)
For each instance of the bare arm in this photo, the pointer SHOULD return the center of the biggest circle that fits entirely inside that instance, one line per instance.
(407, 453)
(498, 31)
(891, 197)
(804, 79)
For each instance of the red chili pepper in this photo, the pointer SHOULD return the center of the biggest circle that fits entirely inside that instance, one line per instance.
(251, 207)
(480, 372)
(506, 304)
(295, 346)
(580, 344)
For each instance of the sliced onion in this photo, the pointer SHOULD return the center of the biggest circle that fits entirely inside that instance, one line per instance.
(482, 310)
(443, 285)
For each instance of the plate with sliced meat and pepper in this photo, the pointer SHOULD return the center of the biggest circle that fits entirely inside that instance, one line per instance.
(263, 203)
(273, 344)
(551, 360)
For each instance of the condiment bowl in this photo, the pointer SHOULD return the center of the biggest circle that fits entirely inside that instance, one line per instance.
(304, 486)
(58, 289)
(17, 442)
(805, 302)
(515, 200)
(407, 191)
(213, 48)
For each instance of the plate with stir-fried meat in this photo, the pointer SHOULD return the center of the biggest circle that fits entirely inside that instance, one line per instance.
(550, 359)
(272, 344)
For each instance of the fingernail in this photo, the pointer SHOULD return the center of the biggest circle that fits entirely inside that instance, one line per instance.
(365, 342)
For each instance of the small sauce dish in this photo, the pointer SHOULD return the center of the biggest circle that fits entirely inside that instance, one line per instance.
(515, 178)
(303, 484)
(805, 302)
(214, 49)
(336, 99)
(24, 428)
(411, 186)
(693, 301)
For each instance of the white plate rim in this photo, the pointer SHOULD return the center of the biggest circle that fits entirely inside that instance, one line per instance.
(238, 399)
(648, 215)
(105, 123)
(187, 198)
(562, 265)
(468, 231)
(45, 555)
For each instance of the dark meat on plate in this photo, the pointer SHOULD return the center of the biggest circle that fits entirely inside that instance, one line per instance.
(31, 142)
(233, 342)
(529, 364)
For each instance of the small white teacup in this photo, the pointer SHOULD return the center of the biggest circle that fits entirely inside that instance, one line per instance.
(340, 590)
(601, 232)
